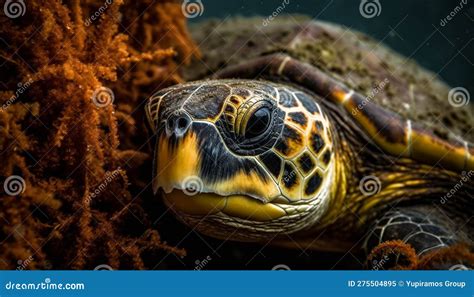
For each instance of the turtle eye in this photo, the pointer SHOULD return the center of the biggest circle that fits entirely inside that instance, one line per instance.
(258, 122)
(252, 127)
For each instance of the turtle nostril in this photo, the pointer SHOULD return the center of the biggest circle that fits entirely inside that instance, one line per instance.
(183, 122)
(178, 123)
(170, 123)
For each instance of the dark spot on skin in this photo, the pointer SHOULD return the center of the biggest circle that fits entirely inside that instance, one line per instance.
(230, 119)
(287, 99)
(319, 125)
(283, 143)
(234, 100)
(326, 157)
(230, 109)
(306, 163)
(307, 102)
(298, 117)
(272, 162)
(313, 184)
(290, 176)
(447, 121)
(317, 142)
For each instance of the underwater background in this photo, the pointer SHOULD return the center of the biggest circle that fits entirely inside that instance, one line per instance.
(82, 168)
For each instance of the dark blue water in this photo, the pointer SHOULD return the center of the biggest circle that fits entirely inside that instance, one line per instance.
(414, 28)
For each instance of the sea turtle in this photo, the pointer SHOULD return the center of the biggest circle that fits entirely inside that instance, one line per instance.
(307, 134)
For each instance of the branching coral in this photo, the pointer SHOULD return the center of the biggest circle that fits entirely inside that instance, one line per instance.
(74, 149)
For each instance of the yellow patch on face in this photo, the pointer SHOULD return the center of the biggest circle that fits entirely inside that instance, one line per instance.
(249, 183)
(176, 163)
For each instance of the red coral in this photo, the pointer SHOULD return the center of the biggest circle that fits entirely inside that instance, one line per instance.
(74, 151)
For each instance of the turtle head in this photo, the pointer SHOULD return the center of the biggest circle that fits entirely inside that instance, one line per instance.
(241, 159)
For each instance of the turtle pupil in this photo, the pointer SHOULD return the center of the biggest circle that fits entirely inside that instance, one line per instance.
(258, 123)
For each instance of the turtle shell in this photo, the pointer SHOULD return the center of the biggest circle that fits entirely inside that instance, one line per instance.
(350, 57)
